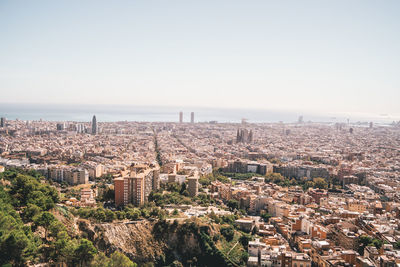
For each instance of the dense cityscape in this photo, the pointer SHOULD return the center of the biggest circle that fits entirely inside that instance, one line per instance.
(204, 133)
(199, 194)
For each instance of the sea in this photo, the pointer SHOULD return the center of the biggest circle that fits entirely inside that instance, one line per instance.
(109, 113)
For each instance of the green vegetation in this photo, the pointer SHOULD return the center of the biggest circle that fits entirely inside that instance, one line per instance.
(17, 243)
(97, 214)
(174, 193)
(29, 230)
(233, 204)
(225, 219)
(215, 248)
(234, 246)
(157, 149)
(27, 194)
(244, 240)
(214, 176)
(266, 216)
(275, 178)
(108, 194)
(239, 176)
(161, 199)
(105, 178)
(228, 232)
(129, 212)
(365, 241)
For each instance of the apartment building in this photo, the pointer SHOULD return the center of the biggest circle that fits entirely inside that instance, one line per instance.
(135, 188)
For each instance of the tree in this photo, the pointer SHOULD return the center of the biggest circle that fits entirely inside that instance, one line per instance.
(244, 240)
(320, 183)
(56, 227)
(365, 241)
(183, 188)
(100, 260)
(228, 232)
(44, 219)
(309, 184)
(377, 243)
(30, 211)
(133, 214)
(145, 213)
(255, 230)
(176, 264)
(120, 260)
(233, 204)
(266, 216)
(274, 177)
(63, 248)
(27, 189)
(244, 257)
(12, 249)
(121, 215)
(85, 251)
(110, 215)
(100, 215)
(108, 195)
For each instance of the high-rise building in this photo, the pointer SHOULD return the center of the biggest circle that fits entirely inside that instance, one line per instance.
(71, 176)
(193, 186)
(180, 117)
(3, 122)
(80, 128)
(192, 117)
(136, 188)
(78, 176)
(129, 190)
(94, 125)
(60, 126)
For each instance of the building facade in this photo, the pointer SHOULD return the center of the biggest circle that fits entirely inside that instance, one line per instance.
(135, 188)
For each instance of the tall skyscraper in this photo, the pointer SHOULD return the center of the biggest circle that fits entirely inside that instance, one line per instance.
(192, 117)
(3, 122)
(180, 117)
(94, 125)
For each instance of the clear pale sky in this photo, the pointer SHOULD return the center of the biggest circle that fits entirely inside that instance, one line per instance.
(323, 56)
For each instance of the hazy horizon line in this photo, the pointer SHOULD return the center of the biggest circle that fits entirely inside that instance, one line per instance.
(204, 107)
(323, 117)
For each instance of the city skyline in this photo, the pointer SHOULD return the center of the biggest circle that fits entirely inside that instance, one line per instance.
(323, 57)
(109, 113)
(200, 133)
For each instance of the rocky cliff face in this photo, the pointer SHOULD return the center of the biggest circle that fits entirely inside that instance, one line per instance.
(146, 241)
(134, 239)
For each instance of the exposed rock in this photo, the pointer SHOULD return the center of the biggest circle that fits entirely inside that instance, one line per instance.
(133, 239)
